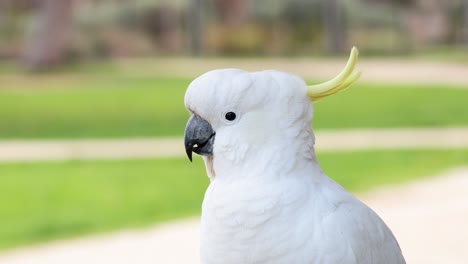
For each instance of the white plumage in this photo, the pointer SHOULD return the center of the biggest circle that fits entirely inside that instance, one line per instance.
(268, 200)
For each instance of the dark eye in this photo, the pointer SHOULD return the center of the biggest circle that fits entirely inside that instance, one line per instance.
(230, 116)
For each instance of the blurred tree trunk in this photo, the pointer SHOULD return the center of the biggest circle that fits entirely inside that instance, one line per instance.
(4, 10)
(333, 26)
(465, 21)
(232, 12)
(195, 26)
(48, 41)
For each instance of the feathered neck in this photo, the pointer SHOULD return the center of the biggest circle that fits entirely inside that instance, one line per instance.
(267, 160)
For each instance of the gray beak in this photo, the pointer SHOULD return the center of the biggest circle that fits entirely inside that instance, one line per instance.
(199, 137)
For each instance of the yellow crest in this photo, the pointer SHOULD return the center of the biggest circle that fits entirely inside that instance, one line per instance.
(342, 81)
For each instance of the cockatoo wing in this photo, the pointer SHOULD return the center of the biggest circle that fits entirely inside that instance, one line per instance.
(353, 233)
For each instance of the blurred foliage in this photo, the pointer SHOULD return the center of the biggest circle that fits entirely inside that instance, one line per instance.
(55, 200)
(304, 31)
(250, 39)
(108, 28)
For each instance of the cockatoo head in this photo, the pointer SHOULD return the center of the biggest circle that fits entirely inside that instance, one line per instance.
(240, 117)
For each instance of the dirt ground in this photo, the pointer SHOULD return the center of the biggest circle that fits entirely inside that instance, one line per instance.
(428, 218)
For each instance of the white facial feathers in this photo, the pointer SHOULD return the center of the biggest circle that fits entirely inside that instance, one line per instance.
(273, 114)
(219, 91)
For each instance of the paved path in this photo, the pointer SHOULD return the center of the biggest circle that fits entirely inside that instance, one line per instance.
(342, 140)
(393, 70)
(428, 217)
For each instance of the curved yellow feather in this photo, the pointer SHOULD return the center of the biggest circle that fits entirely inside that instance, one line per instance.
(341, 82)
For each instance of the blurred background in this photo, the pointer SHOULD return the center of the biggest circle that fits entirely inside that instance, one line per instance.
(44, 33)
(92, 114)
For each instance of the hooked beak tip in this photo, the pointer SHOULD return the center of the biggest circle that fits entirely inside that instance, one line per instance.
(189, 150)
(189, 155)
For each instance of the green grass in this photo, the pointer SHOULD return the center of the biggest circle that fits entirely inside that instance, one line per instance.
(360, 171)
(78, 106)
(387, 106)
(454, 54)
(93, 107)
(51, 200)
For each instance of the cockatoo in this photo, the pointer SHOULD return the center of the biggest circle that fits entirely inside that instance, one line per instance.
(268, 200)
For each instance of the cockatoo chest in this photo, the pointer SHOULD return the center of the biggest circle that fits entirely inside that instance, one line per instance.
(243, 225)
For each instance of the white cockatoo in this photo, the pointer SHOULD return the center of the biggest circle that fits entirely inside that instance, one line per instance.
(268, 200)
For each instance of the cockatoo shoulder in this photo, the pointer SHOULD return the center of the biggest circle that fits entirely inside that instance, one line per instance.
(350, 232)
